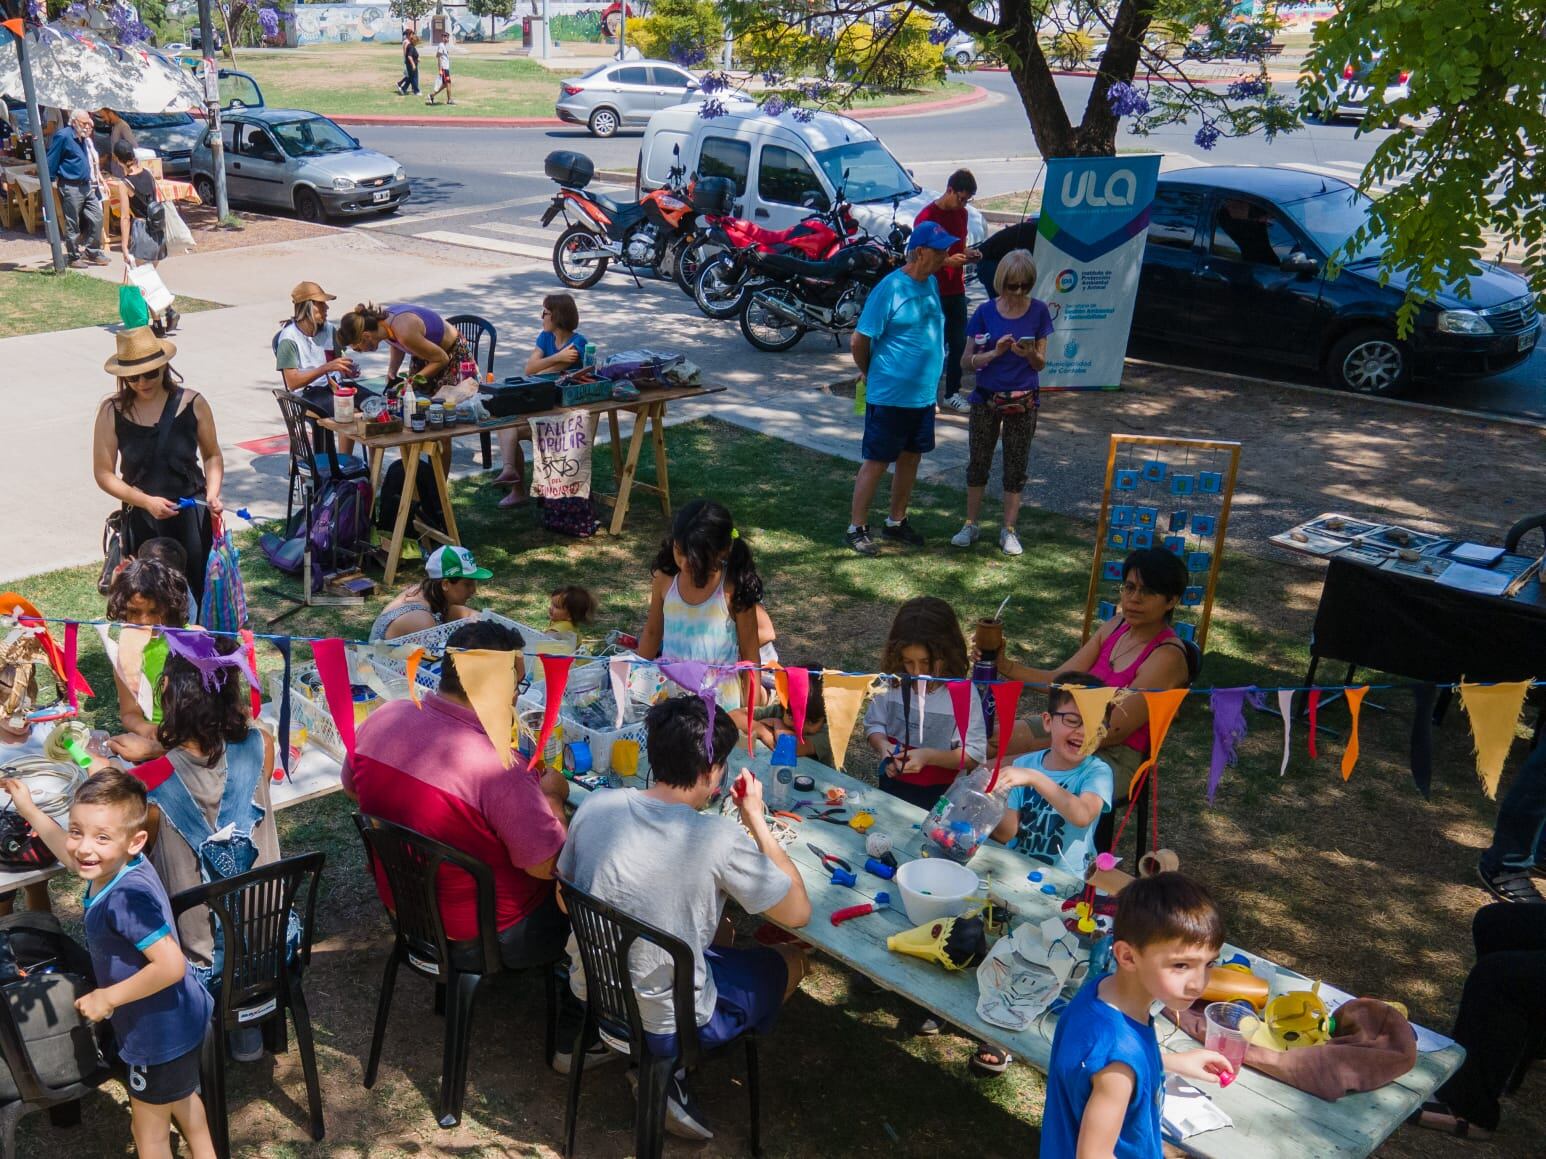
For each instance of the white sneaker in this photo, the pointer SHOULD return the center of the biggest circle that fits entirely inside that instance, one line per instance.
(956, 403)
(966, 536)
(1009, 542)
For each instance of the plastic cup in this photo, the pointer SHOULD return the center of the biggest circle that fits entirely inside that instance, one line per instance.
(1223, 1030)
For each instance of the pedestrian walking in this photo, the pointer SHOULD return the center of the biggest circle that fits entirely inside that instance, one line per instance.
(443, 64)
(80, 201)
(899, 348)
(410, 79)
(949, 213)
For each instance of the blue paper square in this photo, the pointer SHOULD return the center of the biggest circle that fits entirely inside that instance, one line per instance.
(1178, 521)
(1140, 537)
(1175, 544)
(1203, 524)
(1154, 471)
(1111, 570)
(1121, 516)
(1116, 538)
(1145, 516)
(1197, 561)
(1187, 632)
(1127, 479)
(1210, 482)
(1105, 609)
(1192, 596)
(1183, 484)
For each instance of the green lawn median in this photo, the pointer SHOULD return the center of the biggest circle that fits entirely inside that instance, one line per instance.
(33, 301)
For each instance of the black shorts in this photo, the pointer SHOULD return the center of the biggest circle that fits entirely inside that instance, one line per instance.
(891, 430)
(165, 1082)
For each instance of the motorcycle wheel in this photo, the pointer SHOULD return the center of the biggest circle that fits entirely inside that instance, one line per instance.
(766, 330)
(720, 289)
(572, 244)
(690, 260)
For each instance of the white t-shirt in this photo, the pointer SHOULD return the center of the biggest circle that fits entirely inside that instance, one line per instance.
(443, 56)
(298, 350)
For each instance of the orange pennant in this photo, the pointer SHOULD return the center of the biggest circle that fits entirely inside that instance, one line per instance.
(413, 676)
(1162, 710)
(14, 27)
(1350, 754)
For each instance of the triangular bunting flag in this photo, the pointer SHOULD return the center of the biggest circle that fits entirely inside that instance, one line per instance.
(254, 693)
(1228, 731)
(799, 684)
(71, 673)
(132, 642)
(1162, 710)
(282, 742)
(1425, 699)
(1286, 709)
(1093, 704)
(961, 693)
(1006, 697)
(333, 668)
(698, 678)
(844, 696)
(488, 682)
(1494, 712)
(617, 671)
(153, 773)
(555, 677)
(1315, 707)
(411, 670)
(1350, 754)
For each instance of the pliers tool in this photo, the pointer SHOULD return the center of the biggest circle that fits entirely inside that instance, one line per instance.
(837, 815)
(842, 873)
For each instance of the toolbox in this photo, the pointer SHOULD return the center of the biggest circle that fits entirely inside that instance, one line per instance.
(520, 396)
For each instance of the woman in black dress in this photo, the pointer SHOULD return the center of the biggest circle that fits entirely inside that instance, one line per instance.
(154, 444)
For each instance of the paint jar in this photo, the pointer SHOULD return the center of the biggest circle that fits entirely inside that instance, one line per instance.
(343, 404)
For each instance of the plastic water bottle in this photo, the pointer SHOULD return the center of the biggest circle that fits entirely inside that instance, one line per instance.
(783, 787)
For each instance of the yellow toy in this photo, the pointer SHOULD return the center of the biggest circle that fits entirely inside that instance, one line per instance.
(1290, 1021)
(862, 822)
(954, 943)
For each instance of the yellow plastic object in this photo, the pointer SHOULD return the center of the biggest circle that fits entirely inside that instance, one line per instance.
(927, 942)
(1291, 1021)
(1232, 982)
(625, 758)
(862, 822)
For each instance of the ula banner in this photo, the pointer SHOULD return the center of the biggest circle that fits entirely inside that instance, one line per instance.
(1089, 250)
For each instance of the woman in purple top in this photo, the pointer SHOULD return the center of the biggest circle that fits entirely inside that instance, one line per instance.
(433, 346)
(1006, 347)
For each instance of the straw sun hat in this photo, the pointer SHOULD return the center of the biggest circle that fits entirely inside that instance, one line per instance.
(139, 350)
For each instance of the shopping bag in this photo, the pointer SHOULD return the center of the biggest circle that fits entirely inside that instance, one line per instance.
(157, 296)
(131, 304)
(224, 607)
(179, 238)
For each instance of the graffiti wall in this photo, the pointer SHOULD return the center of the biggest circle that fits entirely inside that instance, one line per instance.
(577, 20)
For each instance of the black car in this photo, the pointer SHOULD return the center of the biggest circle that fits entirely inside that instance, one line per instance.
(1236, 260)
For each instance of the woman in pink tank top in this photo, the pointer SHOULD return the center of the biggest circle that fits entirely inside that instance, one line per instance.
(1137, 648)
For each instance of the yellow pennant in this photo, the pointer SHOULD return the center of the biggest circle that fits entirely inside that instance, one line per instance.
(488, 680)
(1092, 704)
(1494, 712)
(413, 676)
(843, 697)
(1350, 754)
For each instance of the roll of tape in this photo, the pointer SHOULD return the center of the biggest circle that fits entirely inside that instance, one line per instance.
(577, 757)
(625, 758)
(804, 784)
(1160, 861)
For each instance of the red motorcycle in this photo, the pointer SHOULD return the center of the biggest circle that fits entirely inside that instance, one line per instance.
(724, 254)
(648, 234)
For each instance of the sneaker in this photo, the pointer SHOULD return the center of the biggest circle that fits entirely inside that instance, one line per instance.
(172, 319)
(1009, 542)
(684, 1119)
(597, 1055)
(967, 536)
(1510, 884)
(859, 539)
(927, 1027)
(902, 532)
(99, 259)
(956, 404)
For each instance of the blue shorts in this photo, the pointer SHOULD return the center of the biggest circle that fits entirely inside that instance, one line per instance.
(750, 985)
(889, 431)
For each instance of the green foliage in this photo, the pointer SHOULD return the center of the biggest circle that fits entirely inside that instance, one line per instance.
(685, 31)
(1478, 84)
(493, 9)
(413, 10)
(1070, 48)
(892, 55)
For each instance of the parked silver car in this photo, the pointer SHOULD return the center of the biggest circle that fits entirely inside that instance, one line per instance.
(1350, 98)
(292, 159)
(173, 136)
(623, 92)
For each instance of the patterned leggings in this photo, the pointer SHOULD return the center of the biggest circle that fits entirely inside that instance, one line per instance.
(982, 437)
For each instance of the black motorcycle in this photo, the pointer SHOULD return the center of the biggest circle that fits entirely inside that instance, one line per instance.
(791, 295)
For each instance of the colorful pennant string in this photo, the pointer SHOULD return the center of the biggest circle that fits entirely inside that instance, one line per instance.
(487, 677)
(843, 696)
(1228, 731)
(1093, 705)
(1350, 754)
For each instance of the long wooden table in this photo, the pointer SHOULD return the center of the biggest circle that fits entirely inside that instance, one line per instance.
(649, 411)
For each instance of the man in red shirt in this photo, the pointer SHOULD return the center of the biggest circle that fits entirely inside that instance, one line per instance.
(950, 212)
(433, 770)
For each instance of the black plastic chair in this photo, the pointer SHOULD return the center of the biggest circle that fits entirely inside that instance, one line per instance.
(81, 1056)
(314, 456)
(475, 330)
(412, 864)
(1520, 529)
(605, 935)
(259, 985)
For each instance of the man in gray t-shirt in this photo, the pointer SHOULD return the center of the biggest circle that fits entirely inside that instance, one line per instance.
(654, 856)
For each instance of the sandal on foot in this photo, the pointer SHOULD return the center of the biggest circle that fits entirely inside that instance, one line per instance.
(1510, 884)
(1438, 1117)
(990, 1061)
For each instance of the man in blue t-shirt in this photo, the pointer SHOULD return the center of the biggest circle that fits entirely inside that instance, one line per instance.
(899, 348)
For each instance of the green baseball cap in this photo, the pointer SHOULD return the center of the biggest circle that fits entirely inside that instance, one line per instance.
(454, 563)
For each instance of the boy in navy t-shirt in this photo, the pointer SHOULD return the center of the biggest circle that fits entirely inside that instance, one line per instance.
(1106, 1080)
(158, 1009)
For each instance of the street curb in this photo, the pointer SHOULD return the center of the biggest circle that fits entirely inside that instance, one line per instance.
(419, 120)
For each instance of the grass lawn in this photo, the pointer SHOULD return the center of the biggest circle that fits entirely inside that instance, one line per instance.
(486, 82)
(32, 301)
(1361, 882)
(1019, 202)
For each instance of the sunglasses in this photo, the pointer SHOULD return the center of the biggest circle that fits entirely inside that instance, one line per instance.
(142, 377)
(1017, 287)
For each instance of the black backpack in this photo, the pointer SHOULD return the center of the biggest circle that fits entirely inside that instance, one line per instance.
(426, 499)
(42, 972)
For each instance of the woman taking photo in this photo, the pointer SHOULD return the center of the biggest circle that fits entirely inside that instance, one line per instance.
(434, 349)
(560, 348)
(1006, 348)
(155, 443)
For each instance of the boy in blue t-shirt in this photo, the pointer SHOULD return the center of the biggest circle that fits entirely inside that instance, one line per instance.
(1106, 1079)
(159, 1010)
(1057, 796)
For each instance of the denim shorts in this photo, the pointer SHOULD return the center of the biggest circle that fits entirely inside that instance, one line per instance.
(889, 431)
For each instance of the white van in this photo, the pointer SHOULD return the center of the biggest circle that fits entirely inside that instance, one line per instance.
(784, 168)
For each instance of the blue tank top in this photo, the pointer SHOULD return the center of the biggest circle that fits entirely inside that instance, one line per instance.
(434, 324)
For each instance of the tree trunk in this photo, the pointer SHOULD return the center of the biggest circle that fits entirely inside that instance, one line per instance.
(1097, 133)
(1037, 87)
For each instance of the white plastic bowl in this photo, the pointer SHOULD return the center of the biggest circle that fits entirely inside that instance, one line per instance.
(934, 888)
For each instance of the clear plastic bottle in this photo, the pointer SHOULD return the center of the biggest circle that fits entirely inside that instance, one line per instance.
(783, 787)
(962, 819)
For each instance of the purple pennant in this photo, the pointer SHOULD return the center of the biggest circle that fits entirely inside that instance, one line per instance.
(202, 650)
(1228, 730)
(698, 678)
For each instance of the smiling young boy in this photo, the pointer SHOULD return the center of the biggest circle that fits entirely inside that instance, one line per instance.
(1106, 1079)
(1057, 796)
(158, 1009)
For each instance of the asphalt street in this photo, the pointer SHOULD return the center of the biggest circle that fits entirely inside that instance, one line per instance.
(485, 188)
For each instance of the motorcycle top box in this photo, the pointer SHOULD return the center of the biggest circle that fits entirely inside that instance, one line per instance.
(575, 170)
(714, 196)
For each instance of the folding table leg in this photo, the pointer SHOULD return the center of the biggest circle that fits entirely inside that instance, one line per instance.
(410, 453)
(662, 473)
(630, 468)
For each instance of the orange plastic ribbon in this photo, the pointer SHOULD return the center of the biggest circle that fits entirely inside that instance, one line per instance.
(1350, 754)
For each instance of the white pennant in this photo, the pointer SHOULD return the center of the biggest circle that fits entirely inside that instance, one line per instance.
(617, 668)
(1286, 707)
(920, 694)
